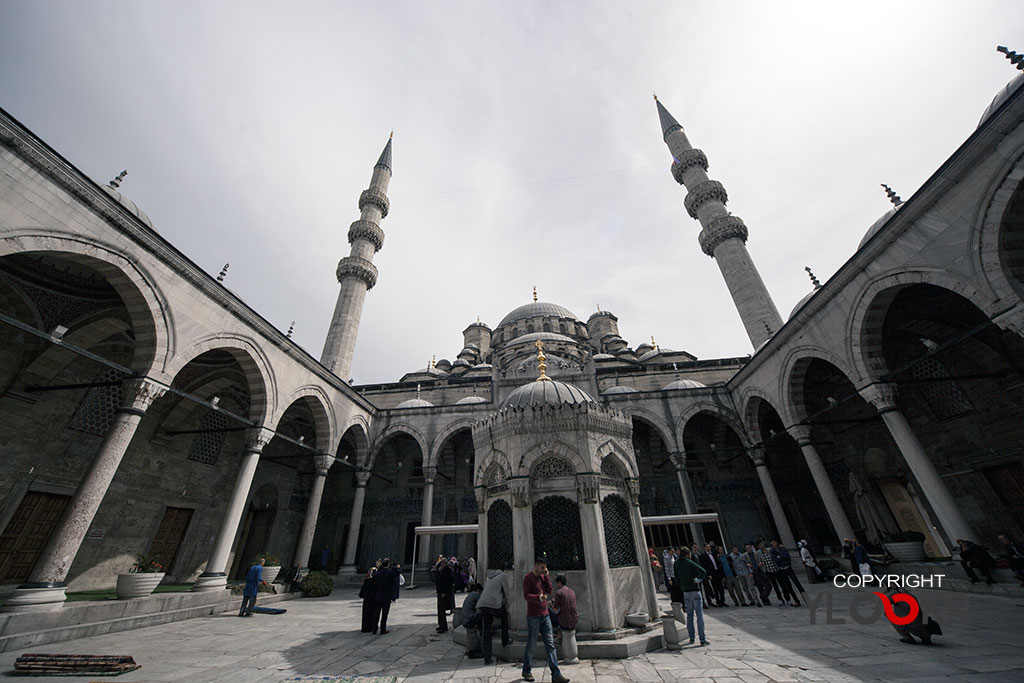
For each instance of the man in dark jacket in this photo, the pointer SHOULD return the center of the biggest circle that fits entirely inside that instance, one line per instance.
(385, 585)
(689, 576)
(973, 556)
(716, 578)
(445, 587)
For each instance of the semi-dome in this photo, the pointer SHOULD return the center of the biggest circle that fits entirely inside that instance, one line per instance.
(603, 356)
(461, 363)
(542, 336)
(128, 204)
(654, 353)
(877, 225)
(537, 309)
(415, 403)
(799, 304)
(685, 384)
(470, 399)
(1001, 97)
(549, 392)
(619, 389)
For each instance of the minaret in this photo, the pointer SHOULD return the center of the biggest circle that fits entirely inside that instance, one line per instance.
(723, 236)
(356, 272)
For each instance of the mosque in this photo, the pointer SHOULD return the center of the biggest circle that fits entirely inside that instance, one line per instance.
(146, 409)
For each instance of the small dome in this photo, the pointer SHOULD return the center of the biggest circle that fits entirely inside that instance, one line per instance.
(619, 389)
(470, 399)
(129, 204)
(415, 403)
(654, 353)
(443, 364)
(601, 314)
(542, 336)
(537, 309)
(643, 348)
(550, 392)
(877, 225)
(1001, 97)
(685, 384)
(800, 304)
(603, 356)
(461, 363)
(482, 366)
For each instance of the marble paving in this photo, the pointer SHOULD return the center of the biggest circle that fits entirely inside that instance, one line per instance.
(984, 641)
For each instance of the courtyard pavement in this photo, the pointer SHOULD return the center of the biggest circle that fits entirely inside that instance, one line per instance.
(984, 641)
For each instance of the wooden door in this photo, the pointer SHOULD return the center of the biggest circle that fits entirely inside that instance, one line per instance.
(169, 536)
(27, 533)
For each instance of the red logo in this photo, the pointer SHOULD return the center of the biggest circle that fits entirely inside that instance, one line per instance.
(890, 613)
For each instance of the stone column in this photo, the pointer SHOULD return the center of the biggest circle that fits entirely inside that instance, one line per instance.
(482, 566)
(47, 582)
(689, 500)
(650, 590)
(355, 521)
(602, 603)
(522, 530)
(778, 515)
(834, 508)
(323, 463)
(883, 397)
(428, 511)
(215, 577)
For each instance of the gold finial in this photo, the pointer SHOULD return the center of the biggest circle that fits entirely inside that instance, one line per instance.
(653, 343)
(655, 97)
(599, 308)
(392, 135)
(535, 294)
(433, 359)
(541, 365)
(478, 318)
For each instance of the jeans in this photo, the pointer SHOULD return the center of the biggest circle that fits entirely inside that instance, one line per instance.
(542, 624)
(248, 602)
(488, 614)
(694, 604)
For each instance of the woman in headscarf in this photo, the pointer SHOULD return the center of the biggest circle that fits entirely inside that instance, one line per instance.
(369, 595)
(471, 570)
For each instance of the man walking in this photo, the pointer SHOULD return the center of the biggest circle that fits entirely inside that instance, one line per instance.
(689, 576)
(771, 572)
(536, 590)
(493, 603)
(253, 579)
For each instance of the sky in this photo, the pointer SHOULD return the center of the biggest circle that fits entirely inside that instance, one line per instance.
(527, 150)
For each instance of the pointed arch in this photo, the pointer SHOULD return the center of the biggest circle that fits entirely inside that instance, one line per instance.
(378, 441)
(444, 435)
(321, 408)
(727, 416)
(794, 371)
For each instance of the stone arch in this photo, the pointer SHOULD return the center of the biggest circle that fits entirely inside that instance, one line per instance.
(147, 307)
(496, 463)
(612, 450)
(727, 416)
(443, 436)
(872, 304)
(658, 423)
(988, 231)
(549, 448)
(356, 427)
(391, 430)
(750, 401)
(323, 414)
(254, 363)
(794, 372)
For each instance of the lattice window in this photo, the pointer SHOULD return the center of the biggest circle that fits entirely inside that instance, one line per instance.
(618, 532)
(499, 535)
(944, 395)
(557, 534)
(206, 447)
(96, 412)
(553, 467)
(610, 468)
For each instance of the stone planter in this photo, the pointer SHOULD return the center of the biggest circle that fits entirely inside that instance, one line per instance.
(137, 585)
(270, 573)
(906, 551)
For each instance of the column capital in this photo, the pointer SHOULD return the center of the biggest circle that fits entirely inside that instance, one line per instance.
(633, 487)
(429, 473)
(802, 434)
(323, 462)
(257, 438)
(678, 460)
(1012, 319)
(481, 498)
(882, 395)
(139, 395)
(756, 453)
(362, 477)
(520, 488)
(588, 487)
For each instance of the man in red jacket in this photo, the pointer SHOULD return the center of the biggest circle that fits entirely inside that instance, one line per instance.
(536, 590)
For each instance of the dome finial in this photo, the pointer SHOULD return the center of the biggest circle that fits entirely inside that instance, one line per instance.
(654, 343)
(599, 308)
(223, 272)
(291, 328)
(814, 280)
(893, 197)
(541, 365)
(433, 361)
(116, 182)
(1015, 59)
(535, 294)
(417, 391)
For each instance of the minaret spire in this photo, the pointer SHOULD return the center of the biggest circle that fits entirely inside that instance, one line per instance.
(356, 272)
(723, 236)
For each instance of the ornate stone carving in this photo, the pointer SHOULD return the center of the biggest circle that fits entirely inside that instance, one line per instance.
(366, 230)
(719, 229)
(881, 395)
(688, 159)
(520, 487)
(633, 487)
(802, 434)
(702, 193)
(552, 466)
(611, 468)
(480, 493)
(140, 393)
(362, 477)
(353, 266)
(428, 474)
(258, 438)
(375, 198)
(323, 463)
(756, 453)
(588, 487)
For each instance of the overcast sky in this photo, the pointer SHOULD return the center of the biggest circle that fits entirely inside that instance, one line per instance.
(527, 148)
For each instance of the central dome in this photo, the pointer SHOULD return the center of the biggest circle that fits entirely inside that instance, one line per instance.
(548, 392)
(537, 309)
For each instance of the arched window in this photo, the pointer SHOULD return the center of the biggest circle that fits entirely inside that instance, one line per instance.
(618, 532)
(96, 412)
(207, 445)
(546, 327)
(557, 534)
(499, 535)
(941, 392)
(529, 329)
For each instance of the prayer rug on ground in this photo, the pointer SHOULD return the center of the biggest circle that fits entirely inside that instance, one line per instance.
(268, 610)
(344, 679)
(73, 665)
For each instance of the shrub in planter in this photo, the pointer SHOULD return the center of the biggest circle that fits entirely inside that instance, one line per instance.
(317, 584)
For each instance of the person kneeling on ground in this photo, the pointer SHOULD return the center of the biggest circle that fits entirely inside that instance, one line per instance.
(471, 618)
(918, 627)
(253, 579)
